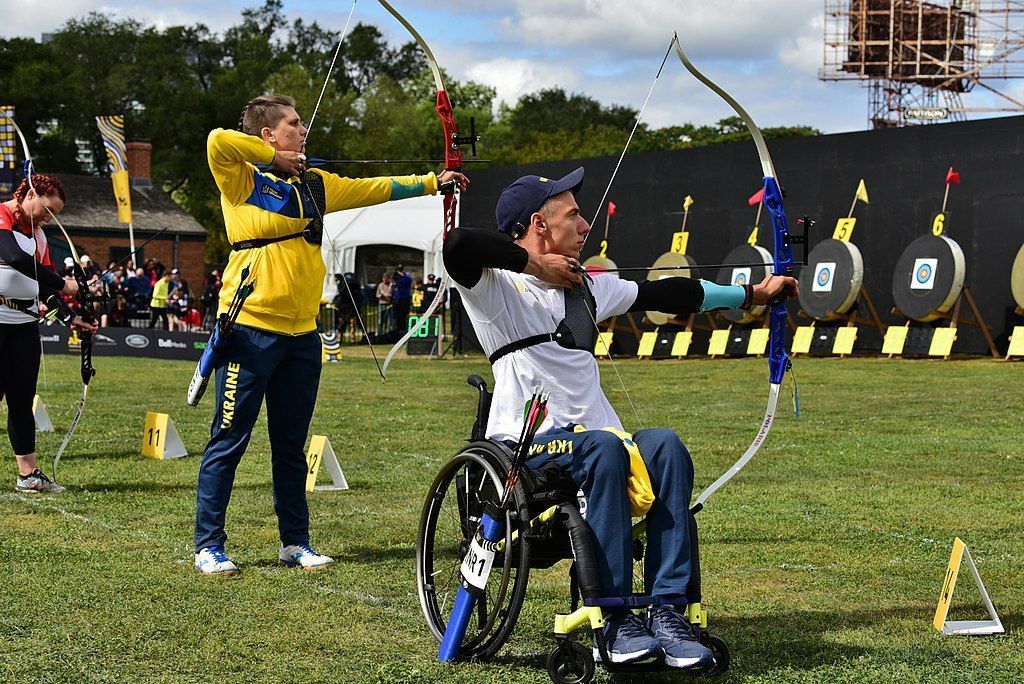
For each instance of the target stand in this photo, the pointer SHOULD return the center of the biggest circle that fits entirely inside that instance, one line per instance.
(928, 285)
(832, 293)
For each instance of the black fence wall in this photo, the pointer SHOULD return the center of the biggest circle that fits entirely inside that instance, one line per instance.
(905, 171)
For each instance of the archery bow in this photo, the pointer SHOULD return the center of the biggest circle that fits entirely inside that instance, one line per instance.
(452, 162)
(778, 359)
(84, 300)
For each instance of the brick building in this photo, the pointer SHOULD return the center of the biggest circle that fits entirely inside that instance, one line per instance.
(91, 218)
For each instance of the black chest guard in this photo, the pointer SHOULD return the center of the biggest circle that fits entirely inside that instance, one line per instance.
(576, 331)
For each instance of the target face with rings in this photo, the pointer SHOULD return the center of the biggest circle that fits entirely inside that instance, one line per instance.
(929, 276)
(832, 279)
(743, 275)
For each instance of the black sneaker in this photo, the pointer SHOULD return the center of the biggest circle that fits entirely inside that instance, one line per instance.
(676, 638)
(36, 481)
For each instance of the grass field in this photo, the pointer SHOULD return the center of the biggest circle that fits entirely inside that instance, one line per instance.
(822, 560)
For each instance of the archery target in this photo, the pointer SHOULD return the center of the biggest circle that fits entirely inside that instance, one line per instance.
(831, 282)
(596, 264)
(743, 275)
(929, 276)
(1017, 278)
(666, 261)
(331, 341)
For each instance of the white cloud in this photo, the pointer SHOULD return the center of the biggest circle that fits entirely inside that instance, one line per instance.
(513, 78)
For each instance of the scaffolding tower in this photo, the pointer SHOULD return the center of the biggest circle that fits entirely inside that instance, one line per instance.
(919, 58)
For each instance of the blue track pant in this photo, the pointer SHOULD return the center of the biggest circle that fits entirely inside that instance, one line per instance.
(598, 463)
(284, 370)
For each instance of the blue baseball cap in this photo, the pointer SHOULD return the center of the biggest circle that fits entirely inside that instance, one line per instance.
(521, 200)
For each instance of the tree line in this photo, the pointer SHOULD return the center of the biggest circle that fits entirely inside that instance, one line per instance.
(176, 84)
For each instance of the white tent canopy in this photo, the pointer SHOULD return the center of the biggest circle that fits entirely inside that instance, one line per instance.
(415, 223)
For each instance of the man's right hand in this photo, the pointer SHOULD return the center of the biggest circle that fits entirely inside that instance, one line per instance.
(293, 163)
(555, 269)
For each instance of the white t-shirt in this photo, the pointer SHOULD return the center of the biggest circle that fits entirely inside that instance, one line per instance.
(506, 307)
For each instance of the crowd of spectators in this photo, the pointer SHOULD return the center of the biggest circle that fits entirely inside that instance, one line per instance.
(150, 295)
(384, 307)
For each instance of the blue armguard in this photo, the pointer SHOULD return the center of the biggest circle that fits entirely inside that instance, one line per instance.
(717, 297)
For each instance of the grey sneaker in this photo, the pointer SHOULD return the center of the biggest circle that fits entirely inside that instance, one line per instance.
(627, 639)
(36, 481)
(673, 632)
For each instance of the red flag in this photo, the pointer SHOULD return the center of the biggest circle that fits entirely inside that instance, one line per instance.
(611, 208)
(952, 176)
(756, 198)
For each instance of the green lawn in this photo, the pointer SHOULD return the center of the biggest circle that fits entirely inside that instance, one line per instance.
(822, 560)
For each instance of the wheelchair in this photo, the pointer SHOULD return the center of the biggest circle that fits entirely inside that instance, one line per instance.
(543, 526)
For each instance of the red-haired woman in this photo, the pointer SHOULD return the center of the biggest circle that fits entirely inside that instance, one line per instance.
(27, 275)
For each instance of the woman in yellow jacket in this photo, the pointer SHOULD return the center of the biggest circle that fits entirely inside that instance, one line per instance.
(158, 304)
(273, 209)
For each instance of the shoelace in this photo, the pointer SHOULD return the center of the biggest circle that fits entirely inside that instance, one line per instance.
(306, 548)
(672, 623)
(632, 627)
(219, 555)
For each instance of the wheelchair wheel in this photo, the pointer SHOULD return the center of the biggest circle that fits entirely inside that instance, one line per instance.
(721, 651)
(451, 514)
(570, 662)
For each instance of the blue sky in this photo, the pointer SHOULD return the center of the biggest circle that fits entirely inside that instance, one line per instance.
(766, 53)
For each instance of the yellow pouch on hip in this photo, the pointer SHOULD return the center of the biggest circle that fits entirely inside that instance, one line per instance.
(638, 486)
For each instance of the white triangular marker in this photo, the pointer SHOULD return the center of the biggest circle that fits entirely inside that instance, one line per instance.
(967, 627)
(43, 422)
(322, 453)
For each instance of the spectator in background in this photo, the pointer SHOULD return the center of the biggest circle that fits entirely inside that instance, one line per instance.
(69, 268)
(211, 292)
(346, 307)
(138, 290)
(158, 304)
(401, 296)
(429, 292)
(88, 266)
(384, 321)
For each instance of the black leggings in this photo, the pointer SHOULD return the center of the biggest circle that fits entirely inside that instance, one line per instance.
(19, 370)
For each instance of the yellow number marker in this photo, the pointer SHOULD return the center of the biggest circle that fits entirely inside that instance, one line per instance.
(160, 438)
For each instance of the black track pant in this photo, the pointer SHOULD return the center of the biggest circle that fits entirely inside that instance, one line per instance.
(19, 370)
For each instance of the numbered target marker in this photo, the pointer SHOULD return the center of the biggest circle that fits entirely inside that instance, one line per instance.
(968, 627)
(160, 438)
(321, 454)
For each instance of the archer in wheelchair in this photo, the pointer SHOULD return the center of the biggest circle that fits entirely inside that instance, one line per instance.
(561, 479)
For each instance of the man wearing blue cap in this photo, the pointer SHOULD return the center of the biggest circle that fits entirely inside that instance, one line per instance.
(536, 313)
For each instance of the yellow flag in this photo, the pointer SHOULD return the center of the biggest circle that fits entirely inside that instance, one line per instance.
(687, 203)
(122, 190)
(862, 192)
(112, 132)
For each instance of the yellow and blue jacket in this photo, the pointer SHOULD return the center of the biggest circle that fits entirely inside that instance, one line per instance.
(289, 274)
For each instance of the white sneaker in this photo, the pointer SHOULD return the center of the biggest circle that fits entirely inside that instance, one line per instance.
(213, 561)
(303, 556)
